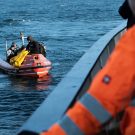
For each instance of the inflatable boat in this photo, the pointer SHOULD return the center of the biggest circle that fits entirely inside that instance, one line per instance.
(35, 65)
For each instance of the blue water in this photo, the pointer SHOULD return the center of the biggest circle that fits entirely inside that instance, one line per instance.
(67, 27)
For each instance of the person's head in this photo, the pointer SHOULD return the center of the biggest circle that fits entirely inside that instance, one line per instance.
(29, 39)
(13, 46)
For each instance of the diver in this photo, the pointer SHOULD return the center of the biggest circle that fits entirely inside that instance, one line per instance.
(35, 47)
(12, 51)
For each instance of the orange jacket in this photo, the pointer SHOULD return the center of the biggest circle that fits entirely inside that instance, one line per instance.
(110, 93)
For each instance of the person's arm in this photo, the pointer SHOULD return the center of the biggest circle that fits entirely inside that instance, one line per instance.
(37, 47)
(28, 47)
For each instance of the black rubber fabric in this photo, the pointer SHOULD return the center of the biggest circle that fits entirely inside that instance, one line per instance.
(28, 133)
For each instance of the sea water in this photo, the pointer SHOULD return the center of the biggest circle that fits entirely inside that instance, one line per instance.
(67, 28)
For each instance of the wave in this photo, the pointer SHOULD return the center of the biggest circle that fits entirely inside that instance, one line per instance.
(11, 21)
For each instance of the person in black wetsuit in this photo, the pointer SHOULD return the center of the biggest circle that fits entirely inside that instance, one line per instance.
(126, 13)
(35, 47)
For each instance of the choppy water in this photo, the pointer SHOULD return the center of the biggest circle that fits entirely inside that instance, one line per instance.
(67, 27)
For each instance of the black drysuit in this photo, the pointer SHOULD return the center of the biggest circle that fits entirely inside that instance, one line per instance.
(126, 13)
(33, 47)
